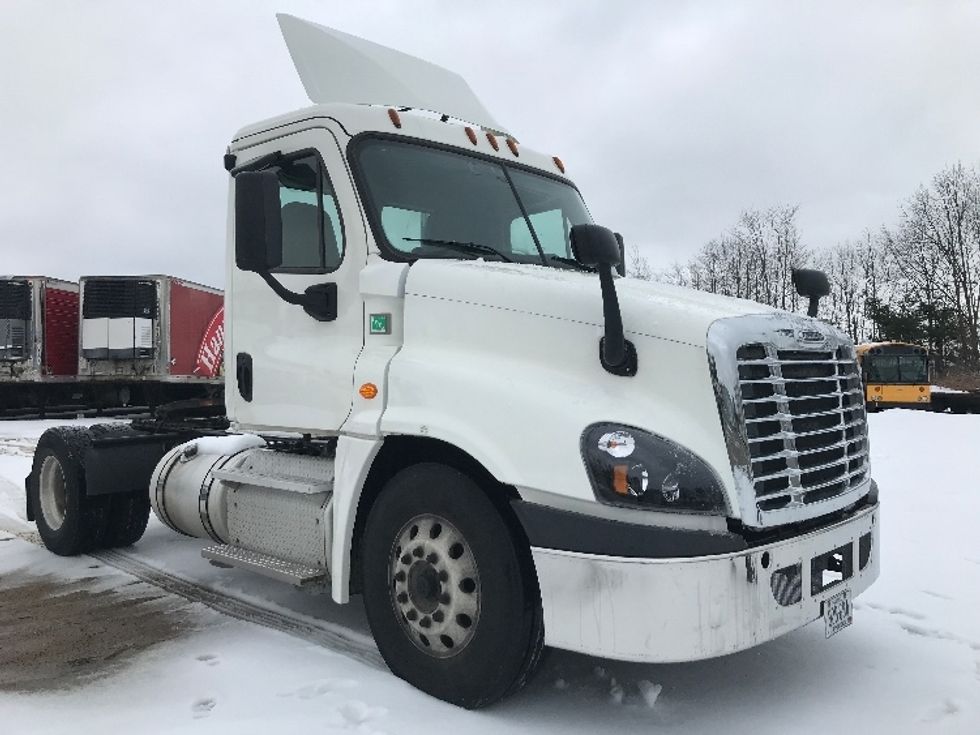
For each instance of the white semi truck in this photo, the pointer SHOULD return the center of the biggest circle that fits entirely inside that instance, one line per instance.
(441, 396)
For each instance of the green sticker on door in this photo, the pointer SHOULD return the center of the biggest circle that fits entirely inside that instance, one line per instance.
(379, 324)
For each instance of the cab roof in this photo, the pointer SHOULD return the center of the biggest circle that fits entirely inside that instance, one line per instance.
(418, 125)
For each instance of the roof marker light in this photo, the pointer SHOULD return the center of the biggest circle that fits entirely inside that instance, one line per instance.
(368, 391)
(558, 163)
(395, 118)
(493, 141)
(512, 144)
(471, 134)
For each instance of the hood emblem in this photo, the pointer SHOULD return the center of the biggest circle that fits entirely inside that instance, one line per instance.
(810, 336)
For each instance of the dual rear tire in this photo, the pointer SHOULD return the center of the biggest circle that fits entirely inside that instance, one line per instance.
(70, 521)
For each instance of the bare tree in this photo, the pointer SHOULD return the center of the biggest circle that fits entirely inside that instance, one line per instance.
(639, 266)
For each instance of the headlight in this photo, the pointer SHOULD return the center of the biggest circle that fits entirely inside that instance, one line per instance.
(634, 468)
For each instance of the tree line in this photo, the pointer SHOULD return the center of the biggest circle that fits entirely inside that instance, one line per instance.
(917, 280)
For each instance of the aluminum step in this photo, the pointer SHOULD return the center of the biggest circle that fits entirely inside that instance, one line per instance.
(297, 574)
(289, 483)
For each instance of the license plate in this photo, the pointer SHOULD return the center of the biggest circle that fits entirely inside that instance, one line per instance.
(837, 613)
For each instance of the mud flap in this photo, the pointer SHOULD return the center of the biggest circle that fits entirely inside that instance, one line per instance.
(29, 485)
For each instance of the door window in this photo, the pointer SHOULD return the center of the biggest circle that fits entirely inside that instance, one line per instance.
(312, 230)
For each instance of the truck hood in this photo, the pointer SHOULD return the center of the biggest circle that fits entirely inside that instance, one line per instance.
(652, 309)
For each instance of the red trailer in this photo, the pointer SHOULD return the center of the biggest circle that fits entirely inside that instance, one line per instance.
(38, 342)
(152, 339)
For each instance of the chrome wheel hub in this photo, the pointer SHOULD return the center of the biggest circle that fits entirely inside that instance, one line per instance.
(435, 585)
(51, 487)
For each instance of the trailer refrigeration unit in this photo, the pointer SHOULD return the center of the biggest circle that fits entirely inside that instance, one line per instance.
(442, 397)
(38, 342)
(145, 340)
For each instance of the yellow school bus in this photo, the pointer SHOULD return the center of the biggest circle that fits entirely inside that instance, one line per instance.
(895, 374)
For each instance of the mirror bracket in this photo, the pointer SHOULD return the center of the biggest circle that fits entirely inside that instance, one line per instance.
(319, 300)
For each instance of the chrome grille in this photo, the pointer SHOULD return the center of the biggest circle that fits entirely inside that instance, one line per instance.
(805, 423)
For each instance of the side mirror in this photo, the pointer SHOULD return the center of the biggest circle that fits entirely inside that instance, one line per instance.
(813, 284)
(621, 268)
(258, 221)
(597, 246)
(594, 245)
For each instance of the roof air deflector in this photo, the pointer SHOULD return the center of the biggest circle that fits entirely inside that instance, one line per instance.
(338, 67)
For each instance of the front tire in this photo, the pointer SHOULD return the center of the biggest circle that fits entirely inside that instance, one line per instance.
(449, 588)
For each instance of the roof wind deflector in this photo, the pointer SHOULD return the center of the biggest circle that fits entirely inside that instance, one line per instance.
(338, 67)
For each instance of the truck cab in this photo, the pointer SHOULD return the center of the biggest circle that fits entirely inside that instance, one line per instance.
(442, 396)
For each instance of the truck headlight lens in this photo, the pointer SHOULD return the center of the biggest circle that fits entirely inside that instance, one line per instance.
(637, 469)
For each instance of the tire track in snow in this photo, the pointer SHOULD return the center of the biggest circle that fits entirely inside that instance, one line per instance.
(332, 638)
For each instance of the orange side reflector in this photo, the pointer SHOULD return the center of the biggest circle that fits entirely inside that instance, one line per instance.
(395, 118)
(368, 391)
(493, 141)
(621, 482)
(471, 134)
(558, 163)
(512, 144)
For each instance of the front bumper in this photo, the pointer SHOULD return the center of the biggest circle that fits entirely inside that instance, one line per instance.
(684, 609)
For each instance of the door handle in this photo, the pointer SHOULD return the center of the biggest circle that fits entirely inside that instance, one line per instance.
(243, 375)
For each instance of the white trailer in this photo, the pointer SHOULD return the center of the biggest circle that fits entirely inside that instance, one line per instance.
(443, 398)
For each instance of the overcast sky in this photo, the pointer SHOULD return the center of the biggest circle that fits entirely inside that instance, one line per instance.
(671, 116)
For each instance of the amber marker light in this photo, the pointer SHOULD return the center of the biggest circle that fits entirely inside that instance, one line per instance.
(493, 141)
(558, 163)
(512, 144)
(368, 391)
(471, 134)
(621, 482)
(396, 120)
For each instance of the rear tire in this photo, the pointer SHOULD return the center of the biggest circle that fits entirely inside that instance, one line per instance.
(449, 588)
(128, 515)
(68, 521)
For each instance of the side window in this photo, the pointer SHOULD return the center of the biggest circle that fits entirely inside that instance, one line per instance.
(312, 233)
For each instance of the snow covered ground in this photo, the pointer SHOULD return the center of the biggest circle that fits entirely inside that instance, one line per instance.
(152, 662)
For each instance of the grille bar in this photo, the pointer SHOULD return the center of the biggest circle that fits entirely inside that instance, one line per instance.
(816, 468)
(774, 381)
(816, 397)
(815, 414)
(847, 476)
(770, 361)
(800, 434)
(804, 452)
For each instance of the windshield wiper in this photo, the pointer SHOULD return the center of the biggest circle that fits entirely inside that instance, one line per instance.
(568, 261)
(469, 247)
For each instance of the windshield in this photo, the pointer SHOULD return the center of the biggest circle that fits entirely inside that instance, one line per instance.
(434, 203)
(898, 369)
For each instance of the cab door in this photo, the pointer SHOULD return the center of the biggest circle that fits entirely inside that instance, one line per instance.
(287, 371)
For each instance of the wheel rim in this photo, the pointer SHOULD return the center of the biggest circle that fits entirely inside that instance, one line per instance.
(51, 485)
(435, 586)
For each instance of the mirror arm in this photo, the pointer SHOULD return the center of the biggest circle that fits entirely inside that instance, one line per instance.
(319, 300)
(290, 297)
(812, 308)
(614, 342)
(616, 353)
